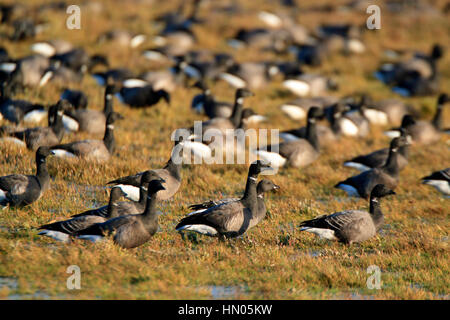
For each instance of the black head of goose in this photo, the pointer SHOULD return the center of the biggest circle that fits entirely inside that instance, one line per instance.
(171, 173)
(378, 158)
(297, 153)
(132, 230)
(92, 121)
(230, 219)
(17, 190)
(353, 225)
(43, 136)
(100, 150)
(61, 229)
(388, 174)
(438, 116)
(439, 180)
(145, 96)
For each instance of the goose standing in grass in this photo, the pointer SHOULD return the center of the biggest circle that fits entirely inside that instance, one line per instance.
(61, 230)
(231, 219)
(388, 111)
(354, 122)
(18, 190)
(353, 225)
(298, 153)
(170, 173)
(145, 96)
(100, 150)
(33, 138)
(439, 180)
(378, 158)
(205, 102)
(265, 185)
(362, 184)
(92, 121)
(127, 207)
(423, 132)
(132, 230)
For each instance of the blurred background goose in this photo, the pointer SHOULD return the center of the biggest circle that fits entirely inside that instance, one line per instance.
(439, 180)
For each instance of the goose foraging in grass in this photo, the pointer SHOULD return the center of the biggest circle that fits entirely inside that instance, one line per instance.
(388, 174)
(100, 150)
(298, 153)
(170, 173)
(132, 230)
(231, 219)
(18, 190)
(439, 180)
(353, 225)
(62, 229)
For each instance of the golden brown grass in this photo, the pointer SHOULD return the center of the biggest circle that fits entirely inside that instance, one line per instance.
(275, 260)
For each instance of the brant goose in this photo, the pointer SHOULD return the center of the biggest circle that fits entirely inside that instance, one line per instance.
(309, 85)
(33, 138)
(100, 150)
(144, 96)
(297, 153)
(423, 132)
(17, 190)
(122, 38)
(253, 75)
(62, 229)
(132, 230)
(51, 47)
(170, 173)
(230, 219)
(388, 111)
(92, 121)
(205, 102)
(362, 184)
(265, 185)
(353, 225)
(298, 109)
(440, 180)
(378, 158)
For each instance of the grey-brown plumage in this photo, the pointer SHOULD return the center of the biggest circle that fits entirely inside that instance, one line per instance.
(17, 190)
(100, 150)
(84, 221)
(230, 219)
(44, 136)
(297, 153)
(361, 185)
(352, 225)
(130, 231)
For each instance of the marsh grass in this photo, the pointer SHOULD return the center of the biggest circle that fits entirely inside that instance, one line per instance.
(274, 260)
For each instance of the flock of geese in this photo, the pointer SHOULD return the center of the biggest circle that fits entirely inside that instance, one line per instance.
(132, 223)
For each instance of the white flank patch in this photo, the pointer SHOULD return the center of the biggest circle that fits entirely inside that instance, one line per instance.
(293, 112)
(256, 118)
(233, 80)
(8, 67)
(440, 185)
(159, 41)
(357, 166)
(131, 192)
(323, 233)
(60, 153)
(348, 127)
(45, 78)
(197, 149)
(2, 195)
(154, 55)
(91, 238)
(356, 46)
(288, 137)
(43, 48)
(275, 159)
(298, 87)
(70, 124)
(13, 140)
(193, 212)
(137, 40)
(133, 83)
(200, 228)
(270, 19)
(351, 191)
(35, 116)
(376, 116)
(59, 236)
(392, 133)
